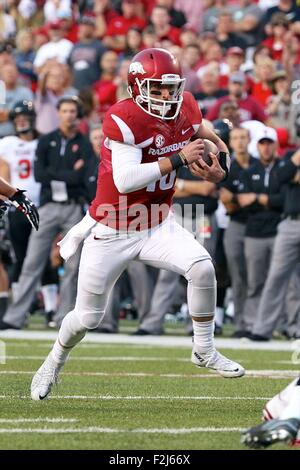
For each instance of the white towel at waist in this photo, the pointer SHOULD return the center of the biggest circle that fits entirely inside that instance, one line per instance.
(70, 243)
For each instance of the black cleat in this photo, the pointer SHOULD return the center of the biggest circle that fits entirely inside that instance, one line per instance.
(271, 432)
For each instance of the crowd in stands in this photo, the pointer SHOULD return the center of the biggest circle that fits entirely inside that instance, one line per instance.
(241, 61)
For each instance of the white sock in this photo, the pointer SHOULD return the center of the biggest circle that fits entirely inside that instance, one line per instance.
(204, 336)
(70, 333)
(292, 410)
(50, 297)
(60, 353)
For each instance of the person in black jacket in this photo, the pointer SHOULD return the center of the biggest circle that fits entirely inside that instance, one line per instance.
(62, 158)
(286, 256)
(259, 191)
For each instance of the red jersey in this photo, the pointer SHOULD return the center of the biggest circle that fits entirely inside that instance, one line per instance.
(157, 138)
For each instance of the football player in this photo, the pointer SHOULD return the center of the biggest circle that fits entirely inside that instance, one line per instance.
(282, 420)
(146, 139)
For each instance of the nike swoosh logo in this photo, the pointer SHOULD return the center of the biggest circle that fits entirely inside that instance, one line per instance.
(45, 396)
(185, 130)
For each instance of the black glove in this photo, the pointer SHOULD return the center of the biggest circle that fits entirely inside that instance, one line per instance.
(24, 204)
(3, 208)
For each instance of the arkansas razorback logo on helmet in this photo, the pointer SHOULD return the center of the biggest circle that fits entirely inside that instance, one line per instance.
(136, 67)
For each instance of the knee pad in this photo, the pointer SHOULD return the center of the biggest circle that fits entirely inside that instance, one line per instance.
(201, 289)
(91, 319)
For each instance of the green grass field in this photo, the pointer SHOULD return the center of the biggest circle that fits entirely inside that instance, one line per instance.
(134, 397)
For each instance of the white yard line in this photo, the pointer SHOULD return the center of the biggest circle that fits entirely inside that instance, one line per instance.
(105, 358)
(269, 374)
(95, 429)
(38, 420)
(161, 341)
(138, 397)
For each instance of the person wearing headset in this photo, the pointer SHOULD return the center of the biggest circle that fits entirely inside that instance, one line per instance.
(62, 159)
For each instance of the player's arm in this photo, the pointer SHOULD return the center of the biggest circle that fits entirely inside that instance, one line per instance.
(21, 202)
(205, 133)
(130, 174)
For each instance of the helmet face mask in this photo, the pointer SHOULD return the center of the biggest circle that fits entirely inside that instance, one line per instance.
(150, 72)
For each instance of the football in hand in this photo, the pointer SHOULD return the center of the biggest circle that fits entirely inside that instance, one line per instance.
(209, 147)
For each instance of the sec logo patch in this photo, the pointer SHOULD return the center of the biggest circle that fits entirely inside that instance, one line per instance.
(159, 140)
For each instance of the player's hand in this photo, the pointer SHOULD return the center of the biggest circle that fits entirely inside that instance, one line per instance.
(213, 173)
(25, 205)
(3, 208)
(193, 150)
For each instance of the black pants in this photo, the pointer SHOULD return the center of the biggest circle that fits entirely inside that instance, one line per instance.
(19, 233)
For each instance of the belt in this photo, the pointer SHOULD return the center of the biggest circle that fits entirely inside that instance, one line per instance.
(293, 217)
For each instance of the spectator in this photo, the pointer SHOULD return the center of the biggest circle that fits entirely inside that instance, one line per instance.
(14, 93)
(121, 80)
(275, 42)
(178, 18)
(279, 103)
(259, 192)
(289, 9)
(40, 37)
(149, 36)
(161, 21)
(96, 139)
(229, 111)
(211, 13)
(8, 26)
(26, 13)
(189, 61)
(90, 116)
(235, 57)
(210, 91)
(248, 106)
(57, 48)
(104, 14)
(286, 254)
(117, 28)
(188, 37)
(247, 18)
(225, 31)
(105, 88)
(53, 9)
(234, 239)
(53, 84)
(260, 89)
(193, 12)
(24, 56)
(86, 54)
(133, 43)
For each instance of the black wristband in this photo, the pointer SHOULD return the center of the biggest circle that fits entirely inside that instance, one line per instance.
(176, 162)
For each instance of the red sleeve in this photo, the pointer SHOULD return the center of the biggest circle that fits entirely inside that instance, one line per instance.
(192, 109)
(115, 125)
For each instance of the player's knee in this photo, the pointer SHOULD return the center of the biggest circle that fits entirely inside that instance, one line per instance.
(202, 274)
(91, 319)
(201, 289)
